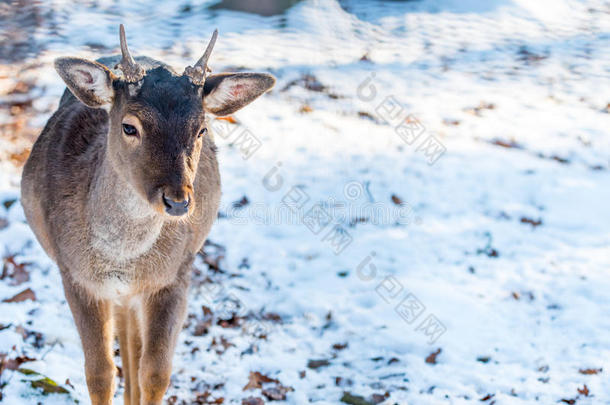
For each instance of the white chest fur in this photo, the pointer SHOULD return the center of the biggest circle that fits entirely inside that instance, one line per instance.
(123, 225)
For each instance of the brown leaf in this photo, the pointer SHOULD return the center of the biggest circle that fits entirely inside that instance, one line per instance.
(340, 346)
(568, 401)
(241, 202)
(396, 199)
(20, 158)
(314, 364)
(256, 380)
(379, 398)
(15, 271)
(14, 364)
(27, 294)
(305, 109)
(205, 399)
(69, 384)
(202, 326)
(533, 222)
(277, 393)
(349, 398)
(431, 359)
(590, 371)
(510, 144)
(487, 397)
(252, 401)
(584, 390)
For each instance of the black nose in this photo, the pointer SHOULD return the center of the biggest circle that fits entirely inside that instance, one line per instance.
(176, 208)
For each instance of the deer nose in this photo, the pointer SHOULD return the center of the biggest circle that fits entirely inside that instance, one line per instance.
(176, 208)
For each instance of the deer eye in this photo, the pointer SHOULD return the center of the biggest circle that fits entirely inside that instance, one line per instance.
(130, 130)
(202, 132)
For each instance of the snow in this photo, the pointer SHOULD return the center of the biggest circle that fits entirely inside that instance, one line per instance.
(471, 74)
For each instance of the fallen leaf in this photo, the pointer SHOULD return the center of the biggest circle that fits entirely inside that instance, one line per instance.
(487, 397)
(27, 294)
(510, 144)
(252, 401)
(590, 371)
(15, 271)
(305, 109)
(351, 399)
(396, 199)
(340, 346)
(379, 398)
(277, 393)
(241, 202)
(584, 390)
(533, 222)
(14, 364)
(256, 380)
(314, 364)
(48, 386)
(431, 359)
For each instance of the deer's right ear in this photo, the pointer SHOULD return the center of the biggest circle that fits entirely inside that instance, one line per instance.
(90, 82)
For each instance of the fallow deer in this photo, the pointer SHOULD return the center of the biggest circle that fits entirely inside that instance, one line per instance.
(121, 190)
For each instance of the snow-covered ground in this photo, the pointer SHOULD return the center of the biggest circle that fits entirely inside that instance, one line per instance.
(425, 217)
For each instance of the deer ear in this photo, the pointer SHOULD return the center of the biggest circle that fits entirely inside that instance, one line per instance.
(90, 82)
(226, 93)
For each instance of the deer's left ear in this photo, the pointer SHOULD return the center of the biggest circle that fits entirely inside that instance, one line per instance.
(226, 93)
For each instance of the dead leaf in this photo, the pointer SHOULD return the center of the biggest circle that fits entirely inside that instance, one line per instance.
(379, 398)
(584, 390)
(15, 271)
(206, 399)
(451, 122)
(14, 364)
(487, 397)
(20, 158)
(590, 371)
(305, 109)
(396, 199)
(256, 380)
(241, 203)
(203, 325)
(533, 222)
(510, 144)
(252, 401)
(340, 346)
(315, 364)
(27, 294)
(431, 359)
(351, 399)
(277, 393)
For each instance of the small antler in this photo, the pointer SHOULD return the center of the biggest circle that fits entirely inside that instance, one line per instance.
(197, 72)
(132, 72)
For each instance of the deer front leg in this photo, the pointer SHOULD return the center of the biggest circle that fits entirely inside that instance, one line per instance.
(164, 314)
(93, 320)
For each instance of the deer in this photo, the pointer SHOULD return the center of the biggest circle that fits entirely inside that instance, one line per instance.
(121, 190)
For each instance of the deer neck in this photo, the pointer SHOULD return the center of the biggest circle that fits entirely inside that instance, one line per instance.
(123, 225)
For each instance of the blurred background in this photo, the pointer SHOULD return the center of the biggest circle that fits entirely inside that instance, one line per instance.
(415, 214)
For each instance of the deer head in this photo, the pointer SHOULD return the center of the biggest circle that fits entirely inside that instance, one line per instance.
(157, 118)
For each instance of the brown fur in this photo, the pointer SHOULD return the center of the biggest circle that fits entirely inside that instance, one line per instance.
(93, 198)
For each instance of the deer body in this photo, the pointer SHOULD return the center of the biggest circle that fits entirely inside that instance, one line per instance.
(124, 215)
